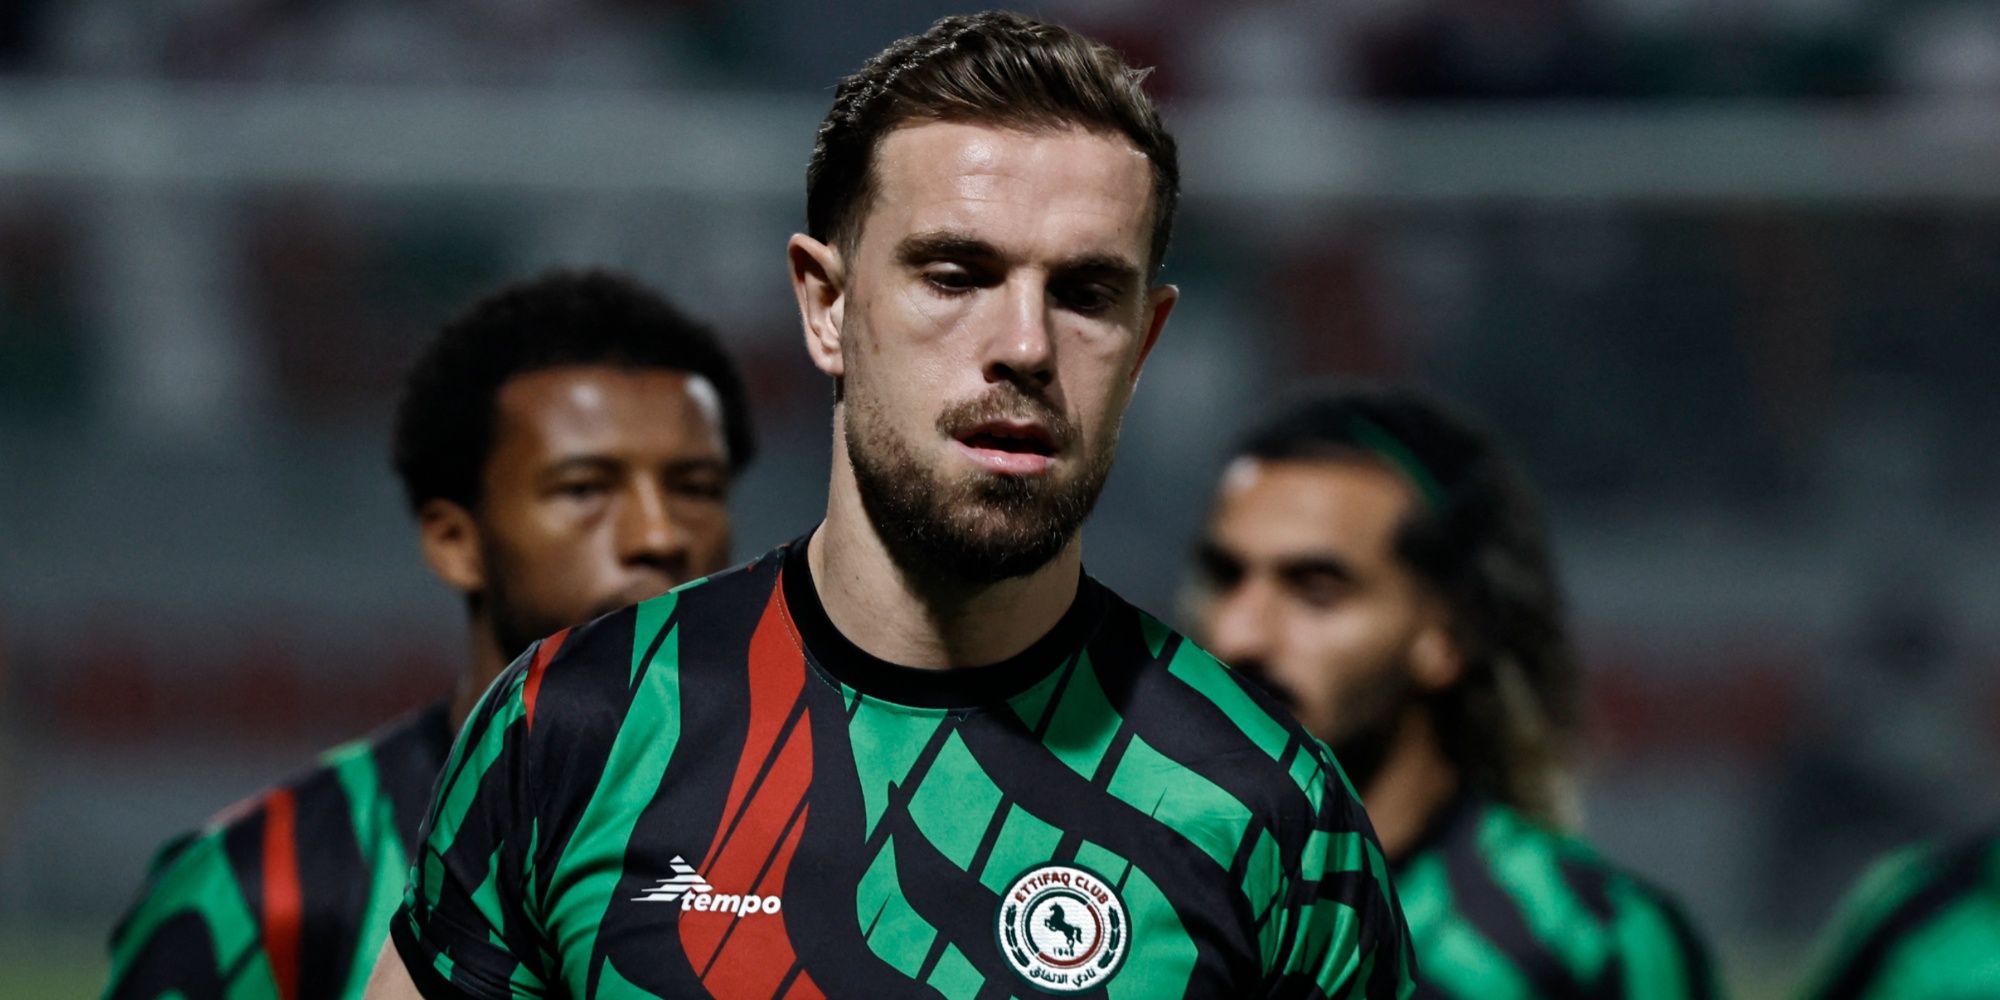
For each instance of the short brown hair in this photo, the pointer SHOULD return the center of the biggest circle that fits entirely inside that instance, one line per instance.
(994, 68)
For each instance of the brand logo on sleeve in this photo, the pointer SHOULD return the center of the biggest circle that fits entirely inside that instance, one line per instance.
(1063, 929)
(694, 893)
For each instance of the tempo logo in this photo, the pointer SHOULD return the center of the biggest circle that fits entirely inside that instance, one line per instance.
(694, 893)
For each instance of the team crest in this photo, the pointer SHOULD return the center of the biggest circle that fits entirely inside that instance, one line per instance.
(1063, 929)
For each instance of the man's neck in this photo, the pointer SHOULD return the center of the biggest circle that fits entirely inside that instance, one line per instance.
(887, 611)
(486, 663)
(1415, 780)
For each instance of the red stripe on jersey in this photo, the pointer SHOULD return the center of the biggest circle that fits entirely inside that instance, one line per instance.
(777, 675)
(804, 989)
(543, 654)
(755, 954)
(747, 957)
(283, 907)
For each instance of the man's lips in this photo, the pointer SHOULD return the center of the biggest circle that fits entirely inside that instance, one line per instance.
(1017, 448)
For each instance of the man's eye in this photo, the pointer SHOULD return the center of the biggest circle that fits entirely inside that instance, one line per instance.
(1320, 590)
(582, 490)
(951, 280)
(701, 487)
(1220, 572)
(1088, 300)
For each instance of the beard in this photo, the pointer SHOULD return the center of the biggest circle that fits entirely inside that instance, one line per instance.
(981, 527)
(1361, 744)
(515, 628)
(1363, 729)
(518, 623)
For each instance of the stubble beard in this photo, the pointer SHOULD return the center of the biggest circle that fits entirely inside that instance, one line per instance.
(514, 629)
(515, 624)
(978, 528)
(1362, 731)
(1362, 745)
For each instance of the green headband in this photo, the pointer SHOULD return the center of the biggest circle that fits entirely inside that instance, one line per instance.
(1377, 441)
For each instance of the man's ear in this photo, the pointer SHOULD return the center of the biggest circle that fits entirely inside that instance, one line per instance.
(450, 538)
(1436, 660)
(1160, 301)
(819, 281)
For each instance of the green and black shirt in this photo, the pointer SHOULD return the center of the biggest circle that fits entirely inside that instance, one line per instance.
(1501, 908)
(287, 896)
(716, 794)
(1923, 923)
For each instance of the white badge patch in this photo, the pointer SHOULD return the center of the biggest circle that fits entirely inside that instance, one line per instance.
(1063, 929)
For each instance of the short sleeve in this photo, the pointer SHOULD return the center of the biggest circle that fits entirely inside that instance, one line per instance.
(1663, 956)
(1342, 929)
(191, 914)
(467, 927)
(1840, 965)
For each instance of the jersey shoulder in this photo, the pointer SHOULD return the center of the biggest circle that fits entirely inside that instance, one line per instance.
(204, 867)
(1962, 867)
(572, 678)
(1223, 725)
(1235, 705)
(1897, 900)
(1569, 891)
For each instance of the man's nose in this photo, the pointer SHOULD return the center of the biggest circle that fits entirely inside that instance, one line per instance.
(647, 532)
(1238, 628)
(1021, 347)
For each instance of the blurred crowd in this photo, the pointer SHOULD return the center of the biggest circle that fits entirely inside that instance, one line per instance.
(1375, 50)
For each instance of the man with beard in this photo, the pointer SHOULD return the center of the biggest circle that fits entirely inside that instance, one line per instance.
(1380, 566)
(919, 752)
(567, 446)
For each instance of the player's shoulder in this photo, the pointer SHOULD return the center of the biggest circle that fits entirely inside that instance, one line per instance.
(313, 789)
(188, 865)
(1967, 865)
(1584, 893)
(1890, 879)
(579, 674)
(1885, 915)
(1240, 705)
(1183, 687)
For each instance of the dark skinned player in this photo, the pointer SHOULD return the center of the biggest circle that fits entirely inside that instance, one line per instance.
(567, 446)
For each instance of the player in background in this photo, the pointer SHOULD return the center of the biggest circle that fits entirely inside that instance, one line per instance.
(567, 446)
(919, 752)
(1923, 923)
(1377, 563)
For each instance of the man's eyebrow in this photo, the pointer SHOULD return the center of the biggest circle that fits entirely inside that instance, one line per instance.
(944, 244)
(600, 462)
(1210, 552)
(1315, 565)
(699, 463)
(580, 462)
(1103, 266)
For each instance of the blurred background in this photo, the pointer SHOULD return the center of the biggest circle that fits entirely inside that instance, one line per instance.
(1726, 274)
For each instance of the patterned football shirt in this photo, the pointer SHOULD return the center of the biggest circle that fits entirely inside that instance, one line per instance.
(1923, 924)
(716, 794)
(288, 896)
(1501, 908)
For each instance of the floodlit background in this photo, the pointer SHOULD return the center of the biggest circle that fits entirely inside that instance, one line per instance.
(1726, 275)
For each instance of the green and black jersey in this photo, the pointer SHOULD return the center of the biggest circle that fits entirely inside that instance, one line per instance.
(716, 794)
(1501, 908)
(287, 896)
(1923, 923)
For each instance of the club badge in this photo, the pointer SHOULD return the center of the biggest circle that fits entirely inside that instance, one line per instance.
(1063, 929)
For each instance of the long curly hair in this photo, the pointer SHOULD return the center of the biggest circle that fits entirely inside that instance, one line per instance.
(1476, 537)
